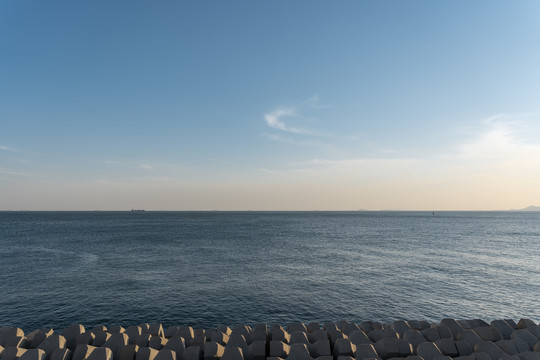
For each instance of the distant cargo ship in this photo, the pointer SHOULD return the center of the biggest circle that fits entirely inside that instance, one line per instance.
(137, 210)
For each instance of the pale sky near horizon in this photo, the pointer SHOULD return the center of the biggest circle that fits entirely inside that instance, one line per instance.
(276, 105)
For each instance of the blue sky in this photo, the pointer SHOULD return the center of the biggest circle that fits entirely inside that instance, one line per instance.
(269, 105)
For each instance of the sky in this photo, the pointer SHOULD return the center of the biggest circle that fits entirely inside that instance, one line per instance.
(269, 105)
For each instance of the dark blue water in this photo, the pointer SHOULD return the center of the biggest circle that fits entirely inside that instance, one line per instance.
(209, 268)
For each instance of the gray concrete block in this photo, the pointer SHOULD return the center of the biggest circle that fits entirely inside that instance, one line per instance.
(171, 331)
(401, 326)
(430, 334)
(279, 334)
(71, 333)
(366, 351)
(489, 348)
(101, 353)
(243, 329)
(320, 348)
(525, 335)
(525, 323)
(228, 331)
(299, 352)
(193, 353)
(178, 345)
(12, 353)
(213, 351)
(82, 352)
(33, 354)
(146, 353)
(507, 346)
(349, 328)
(142, 340)
(116, 343)
(502, 326)
(232, 353)
(62, 354)
(488, 333)
(116, 329)
(99, 328)
(237, 340)
(101, 338)
(133, 332)
(15, 341)
(297, 326)
(359, 337)
(157, 342)
(313, 326)
(165, 354)
(529, 355)
(156, 329)
(256, 350)
(7, 332)
(418, 324)
(86, 338)
(129, 352)
(187, 333)
(220, 338)
(52, 343)
(279, 349)
(463, 348)
(318, 335)
(452, 325)
(447, 347)
(428, 351)
(38, 336)
(299, 337)
(368, 326)
(344, 347)
(469, 336)
(389, 347)
(414, 337)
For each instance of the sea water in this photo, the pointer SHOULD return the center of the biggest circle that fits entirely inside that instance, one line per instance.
(209, 268)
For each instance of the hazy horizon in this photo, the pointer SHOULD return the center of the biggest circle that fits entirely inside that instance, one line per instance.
(415, 105)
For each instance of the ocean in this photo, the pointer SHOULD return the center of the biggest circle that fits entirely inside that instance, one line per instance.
(209, 268)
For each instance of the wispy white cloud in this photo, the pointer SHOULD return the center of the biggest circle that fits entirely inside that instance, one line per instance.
(275, 120)
(314, 102)
(147, 167)
(8, 148)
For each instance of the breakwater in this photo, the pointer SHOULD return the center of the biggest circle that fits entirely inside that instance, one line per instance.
(341, 340)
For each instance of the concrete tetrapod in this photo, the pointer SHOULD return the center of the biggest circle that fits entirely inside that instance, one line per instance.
(33, 354)
(320, 348)
(390, 347)
(233, 353)
(165, 354)
(146, 353)
(256, 350)
(299, 352)
(525, 335)
(101, 353)
(279, 349)
(52, 343)
(428, 351)
(504, 329)
(488, 333)
(447, 347)
(213, 351)
(366, 351)
(359, 337)
(489, 348)
(116, 343)
(71, 334)
(38, 336)
(299, 337)
(12, 353)
(7, 332)
(83, 351)
(129, 352)
(62, 354)
(344, 347)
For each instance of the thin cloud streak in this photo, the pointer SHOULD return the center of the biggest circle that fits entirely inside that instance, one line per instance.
(275, 121)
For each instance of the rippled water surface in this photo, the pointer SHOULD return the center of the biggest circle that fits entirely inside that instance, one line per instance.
(211, 268)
